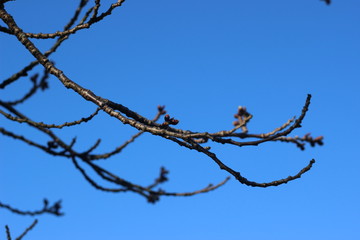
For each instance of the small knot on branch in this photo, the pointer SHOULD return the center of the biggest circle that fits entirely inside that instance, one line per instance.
(153, 197)
(52, 145)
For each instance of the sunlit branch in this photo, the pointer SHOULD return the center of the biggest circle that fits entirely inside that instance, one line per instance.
(193, 140)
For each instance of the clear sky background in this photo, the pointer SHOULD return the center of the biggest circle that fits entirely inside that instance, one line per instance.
(202, 59)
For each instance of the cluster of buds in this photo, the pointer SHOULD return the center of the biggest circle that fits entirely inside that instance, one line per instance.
(241, 115)
(169, 121)
(313, 141)
(54, 209)
(163, 175)
(161, 109)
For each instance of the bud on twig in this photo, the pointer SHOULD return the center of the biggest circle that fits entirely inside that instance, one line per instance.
(169, 120)
(161, 109)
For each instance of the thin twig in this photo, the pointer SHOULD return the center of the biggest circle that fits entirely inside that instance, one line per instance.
(78, 27)
(44, 125)
(27, 230)
(8, 235)
(53, 209)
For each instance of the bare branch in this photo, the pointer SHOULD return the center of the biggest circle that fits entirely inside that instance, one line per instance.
(8, 235)
(30, 142)
(42, 84)
(193, 140)
(72, 21)
(5, 30)
(24, 72)
(152, 196)
(161, 179)
(297, 124)
(300, 141)
(245, 181)
(94, 19)
(92, 182)
(41, 124)
(27, 230)
(208, 188)
(118, 149)
(53, 209)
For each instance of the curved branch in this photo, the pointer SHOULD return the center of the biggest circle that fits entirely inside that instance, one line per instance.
(151, 195)
(276, 182)
(41, 124)
(244, 180)
(43, 84)
(92, 182)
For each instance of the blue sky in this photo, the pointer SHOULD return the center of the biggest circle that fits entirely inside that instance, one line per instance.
(202, 59)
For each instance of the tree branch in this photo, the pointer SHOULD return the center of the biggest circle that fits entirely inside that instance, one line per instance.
(53, 209)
